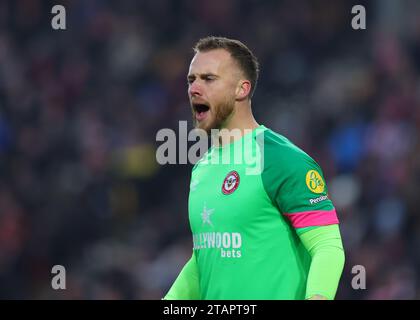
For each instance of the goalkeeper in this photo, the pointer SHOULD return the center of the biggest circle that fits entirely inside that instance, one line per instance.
(261, 229)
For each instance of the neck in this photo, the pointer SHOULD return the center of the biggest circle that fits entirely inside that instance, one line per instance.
(242, 121)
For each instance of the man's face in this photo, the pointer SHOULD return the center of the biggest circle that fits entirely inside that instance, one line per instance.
(212, 80)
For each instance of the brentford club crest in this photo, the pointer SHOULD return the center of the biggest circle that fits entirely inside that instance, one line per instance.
(230, 183)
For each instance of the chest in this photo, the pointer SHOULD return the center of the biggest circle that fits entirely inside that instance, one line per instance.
(226, 197)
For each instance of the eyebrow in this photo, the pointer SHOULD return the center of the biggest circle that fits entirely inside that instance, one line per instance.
(202, 75)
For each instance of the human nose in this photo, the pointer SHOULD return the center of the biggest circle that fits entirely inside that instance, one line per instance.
(195, 89)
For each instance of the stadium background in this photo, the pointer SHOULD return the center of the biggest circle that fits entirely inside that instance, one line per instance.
(80, 109)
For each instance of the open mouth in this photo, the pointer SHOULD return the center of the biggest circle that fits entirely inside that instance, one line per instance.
(201, 110)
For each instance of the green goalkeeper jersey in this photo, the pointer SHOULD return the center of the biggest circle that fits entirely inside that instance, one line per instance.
(249, 201)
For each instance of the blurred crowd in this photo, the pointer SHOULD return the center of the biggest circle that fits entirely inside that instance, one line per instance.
(80, 108)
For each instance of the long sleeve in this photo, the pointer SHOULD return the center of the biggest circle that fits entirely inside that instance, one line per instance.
(326, 249)
(186, 285)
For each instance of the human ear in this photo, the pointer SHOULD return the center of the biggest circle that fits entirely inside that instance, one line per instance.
(243, 89)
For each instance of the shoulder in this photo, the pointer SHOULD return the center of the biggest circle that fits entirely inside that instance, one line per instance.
(280, 152)
(291, 177)
(204, 159)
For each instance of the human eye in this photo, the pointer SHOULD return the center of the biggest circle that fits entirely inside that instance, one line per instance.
(209, 78)
(190, 80)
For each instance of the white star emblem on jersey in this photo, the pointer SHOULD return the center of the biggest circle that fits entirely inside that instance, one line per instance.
(205, 215)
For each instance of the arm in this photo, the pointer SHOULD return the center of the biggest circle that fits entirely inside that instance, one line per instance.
(186, 285)
(296, 184)
(325, 247)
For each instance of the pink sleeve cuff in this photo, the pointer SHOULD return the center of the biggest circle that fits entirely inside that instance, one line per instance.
(312, 218)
